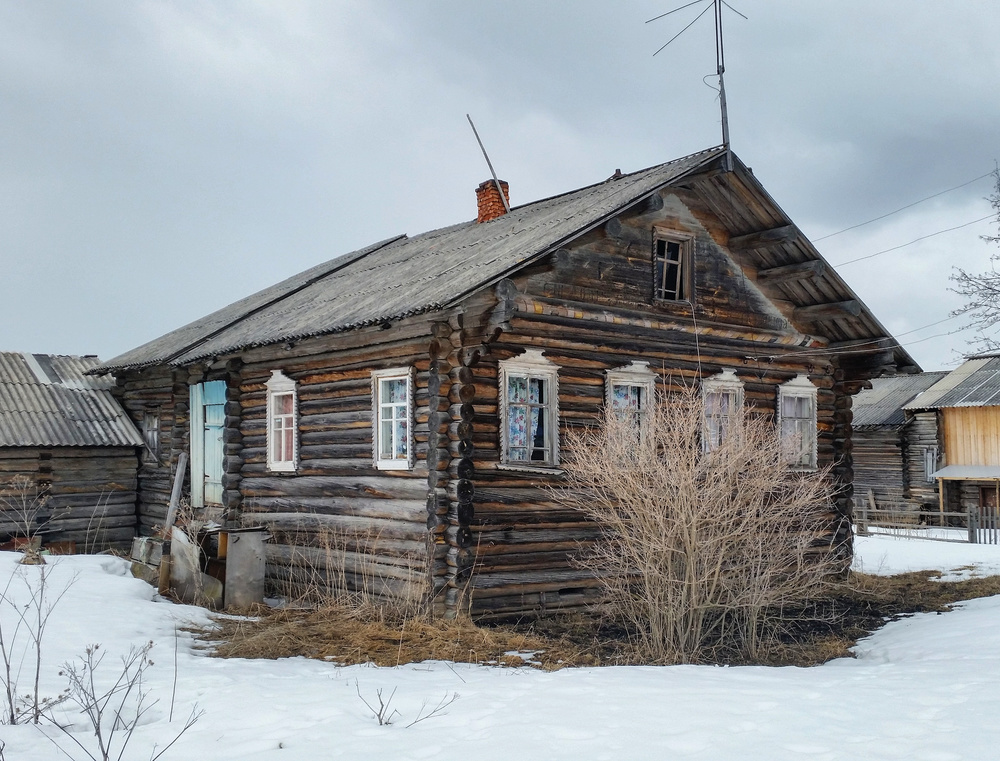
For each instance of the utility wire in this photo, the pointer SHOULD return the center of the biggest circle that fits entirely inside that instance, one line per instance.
(917, 240)
(902, 208)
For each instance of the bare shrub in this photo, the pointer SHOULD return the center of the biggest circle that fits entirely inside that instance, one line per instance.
(24, 514)
(113, 713)
(703, 552)
(26, 636)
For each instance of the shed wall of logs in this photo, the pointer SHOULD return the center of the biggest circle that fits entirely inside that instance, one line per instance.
(85, 495)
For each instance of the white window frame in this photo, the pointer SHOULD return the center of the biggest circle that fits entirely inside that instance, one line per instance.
(800, 387)
(684, 281)
(713, 430)
(279, 385)
(391, 463)
(636, 374)
(533, 366)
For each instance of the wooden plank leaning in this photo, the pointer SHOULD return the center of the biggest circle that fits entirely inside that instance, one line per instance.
(175, 498)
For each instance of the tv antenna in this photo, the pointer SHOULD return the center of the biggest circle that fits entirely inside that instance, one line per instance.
(716, 6)
(496, 182)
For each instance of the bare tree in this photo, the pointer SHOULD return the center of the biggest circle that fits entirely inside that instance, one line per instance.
(981, 290)
(704, 551)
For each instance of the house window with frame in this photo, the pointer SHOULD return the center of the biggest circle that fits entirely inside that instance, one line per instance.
(529, 411)
(723, 400)
(629, 391)
(282, 423)
(671, 267)
(930, 463)
(797, 421)
(151, 436)
(392, 434)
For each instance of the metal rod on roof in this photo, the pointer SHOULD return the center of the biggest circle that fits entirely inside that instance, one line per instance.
(489, 163)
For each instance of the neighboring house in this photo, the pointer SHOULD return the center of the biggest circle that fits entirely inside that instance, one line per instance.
(63, 432)
(966, 405)
(895, 452)
(412, 397)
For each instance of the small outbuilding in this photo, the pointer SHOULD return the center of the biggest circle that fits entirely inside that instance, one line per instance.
(896, 452)
(966, 405)
(68, 454)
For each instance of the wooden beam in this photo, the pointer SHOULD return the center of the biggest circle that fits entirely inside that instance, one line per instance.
(792, 272)
(833, 310)
(764, 238)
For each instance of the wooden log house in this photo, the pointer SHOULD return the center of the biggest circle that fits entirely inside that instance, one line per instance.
(64, 434)
(416, 392)
(964, 406)
(896, 451)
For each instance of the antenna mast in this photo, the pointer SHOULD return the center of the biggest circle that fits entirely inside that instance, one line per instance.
(720, 61)
(720, 64)
(489, 163)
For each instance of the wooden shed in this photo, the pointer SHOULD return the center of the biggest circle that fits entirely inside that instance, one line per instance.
(412, 396)
(71, 446)
(966, 405)
(896, 452)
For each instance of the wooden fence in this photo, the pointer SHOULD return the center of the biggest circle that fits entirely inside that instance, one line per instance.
(976, 526)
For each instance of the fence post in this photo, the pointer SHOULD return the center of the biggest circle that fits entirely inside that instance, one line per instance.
(861, 517)
(973, 523)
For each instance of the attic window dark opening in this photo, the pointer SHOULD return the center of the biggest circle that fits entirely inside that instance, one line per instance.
(671, 265)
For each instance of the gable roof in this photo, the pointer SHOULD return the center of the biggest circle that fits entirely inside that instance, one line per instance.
(881, 406)
(48, 400)
(406, 276)
(974, 383)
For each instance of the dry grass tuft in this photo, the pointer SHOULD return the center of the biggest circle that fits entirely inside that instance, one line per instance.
(338, 634)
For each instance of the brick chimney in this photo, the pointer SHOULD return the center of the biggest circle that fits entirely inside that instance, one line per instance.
(490, 204)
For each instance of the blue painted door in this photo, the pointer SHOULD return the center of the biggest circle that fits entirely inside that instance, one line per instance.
(208, 404)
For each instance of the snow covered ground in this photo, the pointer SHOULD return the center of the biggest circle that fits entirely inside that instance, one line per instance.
(922, 688)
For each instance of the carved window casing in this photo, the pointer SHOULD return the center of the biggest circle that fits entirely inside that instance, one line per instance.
(282, 423)
(629, 391)
(723, 400)
(797, 421)
(529, 411)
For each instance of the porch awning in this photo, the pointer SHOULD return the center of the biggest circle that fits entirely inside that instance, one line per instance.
(968, 473)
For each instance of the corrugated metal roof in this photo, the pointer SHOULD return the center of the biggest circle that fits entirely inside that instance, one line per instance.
(882, 404)
(975, 383)
(47, 400)
(406, 276)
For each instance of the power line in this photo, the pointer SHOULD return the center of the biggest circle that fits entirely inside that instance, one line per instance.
(917, 240)
(902, 208)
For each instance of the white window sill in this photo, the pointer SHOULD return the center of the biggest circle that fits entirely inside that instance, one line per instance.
(282, 467)
(540, 470)
(393, 465)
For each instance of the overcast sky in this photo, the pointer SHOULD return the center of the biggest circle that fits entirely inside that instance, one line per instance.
(159, 160)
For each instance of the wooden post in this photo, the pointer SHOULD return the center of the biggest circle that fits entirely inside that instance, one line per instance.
(941, 501)
(175, 494)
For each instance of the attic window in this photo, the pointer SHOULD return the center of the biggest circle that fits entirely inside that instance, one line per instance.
(671, 267)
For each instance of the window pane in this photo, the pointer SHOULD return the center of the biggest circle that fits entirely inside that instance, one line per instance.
(385, 443)
(518, 454)
(393, 391)
(282, 404)
(517, 427)
(517, 389)
(399, 452)
(537, 434)
(287, 454)
(537, 391)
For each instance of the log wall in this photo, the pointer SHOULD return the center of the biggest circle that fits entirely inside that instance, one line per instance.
(880, 464)
(589, 308)
(90, 493)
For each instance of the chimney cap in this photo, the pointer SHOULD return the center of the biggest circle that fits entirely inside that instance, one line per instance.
(491, 204)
